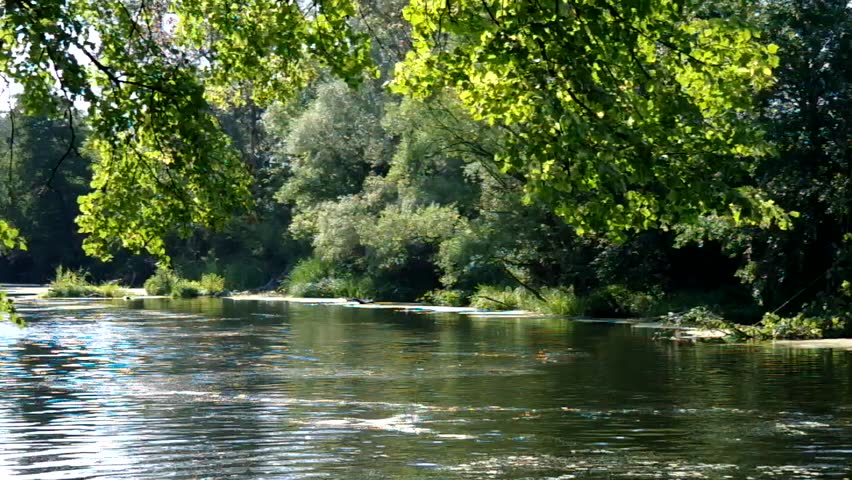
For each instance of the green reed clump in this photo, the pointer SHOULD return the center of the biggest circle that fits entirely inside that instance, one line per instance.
(552, 301)
(161, 282)
(212, 284)
(167, 282)
(445, 297)
(69, 283)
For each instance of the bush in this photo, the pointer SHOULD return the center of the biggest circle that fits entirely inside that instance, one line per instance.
(560, 301)
(212, 284)
(729, 302)
(447, 298)
(556, 301)
(167, 282)
(771, 327)
(183, 288)
(246, 274)
(111, 290)
(701, 317)
(313, 277)
(354, 287)
(775, 327)
(70, 283)
(332, 287)
(496, 298)
(162, 282)
(308, 270)
(318, 289)
(619, 301)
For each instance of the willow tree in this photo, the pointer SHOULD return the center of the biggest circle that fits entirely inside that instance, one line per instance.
(621, 116)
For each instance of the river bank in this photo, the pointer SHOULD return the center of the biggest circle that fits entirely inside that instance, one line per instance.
(31, 293)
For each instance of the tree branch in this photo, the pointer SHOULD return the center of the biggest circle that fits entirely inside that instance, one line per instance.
(521, 282)
(72, 147)
(113, 77)
(11, 152)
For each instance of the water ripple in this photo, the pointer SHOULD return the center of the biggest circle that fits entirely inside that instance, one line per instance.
(219, 390)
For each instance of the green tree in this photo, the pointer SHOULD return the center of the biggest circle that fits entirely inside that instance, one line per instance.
(623, 116)
(332, 146)
(44, 174)
(162, 161)
(806, 117)
(10, 237)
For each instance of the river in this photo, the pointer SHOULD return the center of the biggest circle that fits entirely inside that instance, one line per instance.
(214, 389)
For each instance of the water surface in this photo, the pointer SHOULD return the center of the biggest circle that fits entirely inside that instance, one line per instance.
(211, 389)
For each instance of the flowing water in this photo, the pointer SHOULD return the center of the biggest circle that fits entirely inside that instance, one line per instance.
(213, 389)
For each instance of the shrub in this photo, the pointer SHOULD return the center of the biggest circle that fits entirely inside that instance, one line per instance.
(553, 301)
(618, 301)
(162, 282)
(212, 284)
(771, 327)
(333, 287)
(70, 283)
(775, 327)
(559, 301)
(110, 290)
(308, 270)
(167, 282)
(495, 298)
(245, 274)
(317, 289)
(313, 277)
(354, 287)
(728, 302)
(701, 316)
(448, 298)
(183, 288)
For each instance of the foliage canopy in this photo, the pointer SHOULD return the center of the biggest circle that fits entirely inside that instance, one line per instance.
(621, 116)
(162, 160)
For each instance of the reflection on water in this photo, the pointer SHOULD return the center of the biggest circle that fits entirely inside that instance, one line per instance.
(217, 389)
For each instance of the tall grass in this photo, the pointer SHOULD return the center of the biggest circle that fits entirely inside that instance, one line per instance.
(308, 270)
(161, 282)
(561, 301)
(332, 287)
(553, 301)
(447, 298)
(111, 290)
(620, 301)
(166, 282)
(313, 277)
(212, 284)
(74, 284)
(184, 288)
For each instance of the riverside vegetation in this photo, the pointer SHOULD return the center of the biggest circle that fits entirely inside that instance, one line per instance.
(70, 283)
(75, 284)
(167, 282)
(688, 160)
